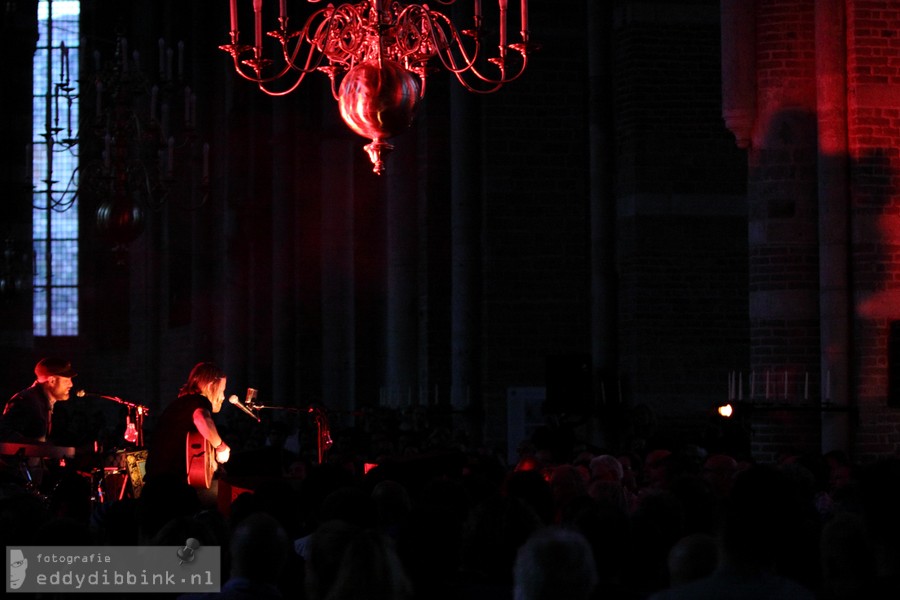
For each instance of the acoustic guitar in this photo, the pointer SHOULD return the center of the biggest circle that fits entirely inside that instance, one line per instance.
(201, 460)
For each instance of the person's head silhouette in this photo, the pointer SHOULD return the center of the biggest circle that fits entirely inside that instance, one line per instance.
(18, 564)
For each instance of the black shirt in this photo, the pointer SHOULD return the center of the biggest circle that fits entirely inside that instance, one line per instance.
(167, 452)
(26, 416)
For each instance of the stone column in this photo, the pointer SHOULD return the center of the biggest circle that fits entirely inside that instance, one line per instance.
(833, 193)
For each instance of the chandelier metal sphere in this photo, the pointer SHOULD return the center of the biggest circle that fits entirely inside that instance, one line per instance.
(377, 54)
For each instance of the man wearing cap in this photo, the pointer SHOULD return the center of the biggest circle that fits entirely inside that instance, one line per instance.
(28, 415)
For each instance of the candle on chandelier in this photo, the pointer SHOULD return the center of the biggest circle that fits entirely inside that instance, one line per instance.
(169, 54)
(180, 60)
(741, 385)
(123, 47)
(477, 12)
(164, 118)
(187, 106)
(64, 62)
(206, 168)
(503, 6)
(524, 19)
(257, 22)
(162, 56)
(154, 97)
(234, 21)
(170, 167)
(752, 384)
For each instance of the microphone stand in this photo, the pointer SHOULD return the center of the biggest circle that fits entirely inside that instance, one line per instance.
(323, 434)
(140, 412)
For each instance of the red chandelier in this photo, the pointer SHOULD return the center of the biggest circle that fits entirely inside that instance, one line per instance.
(376, 53)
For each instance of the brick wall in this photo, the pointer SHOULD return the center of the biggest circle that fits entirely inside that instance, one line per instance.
(873, 64)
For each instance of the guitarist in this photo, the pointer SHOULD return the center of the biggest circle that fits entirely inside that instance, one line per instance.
(191, 412)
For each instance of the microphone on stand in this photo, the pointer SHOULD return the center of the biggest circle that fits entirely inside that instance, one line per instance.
(83, 394)
(251, 396)
(234, 400)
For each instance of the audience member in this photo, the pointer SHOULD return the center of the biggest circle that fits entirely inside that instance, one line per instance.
(607, 528)
(693, 557)
(759, 521)
(554, 564)
(493, 533)
(848, 559)
(392, 507)
(258, 552)
(347, 562)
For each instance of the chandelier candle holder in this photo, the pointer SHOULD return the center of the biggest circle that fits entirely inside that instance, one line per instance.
(147, 150)
(376, 54)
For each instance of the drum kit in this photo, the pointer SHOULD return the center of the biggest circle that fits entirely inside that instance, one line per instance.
(113, 474)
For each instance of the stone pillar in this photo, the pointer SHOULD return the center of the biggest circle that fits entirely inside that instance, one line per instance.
(783, 225)
(465, 388)
(833, 194)
(604, 283)
(338, 272)
(402, 261)
(18, 37)
(739, 68)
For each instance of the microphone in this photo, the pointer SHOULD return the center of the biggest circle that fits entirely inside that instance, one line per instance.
(80, 393)
(234, 400)
(251, 396)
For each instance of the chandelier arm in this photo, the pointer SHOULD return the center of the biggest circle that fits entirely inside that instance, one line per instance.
(444, 46)
(303, 36)
(311, 63)
(335, 88)
(496, 83)
(278, 93)
(254, 77)
(148, 185)
(62, 205)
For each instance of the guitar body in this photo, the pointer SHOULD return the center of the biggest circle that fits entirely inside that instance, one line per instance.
(201, 460)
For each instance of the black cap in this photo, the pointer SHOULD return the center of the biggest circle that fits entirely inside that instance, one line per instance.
(48, 367)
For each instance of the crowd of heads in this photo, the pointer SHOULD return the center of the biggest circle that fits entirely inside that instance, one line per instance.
(452, 523)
